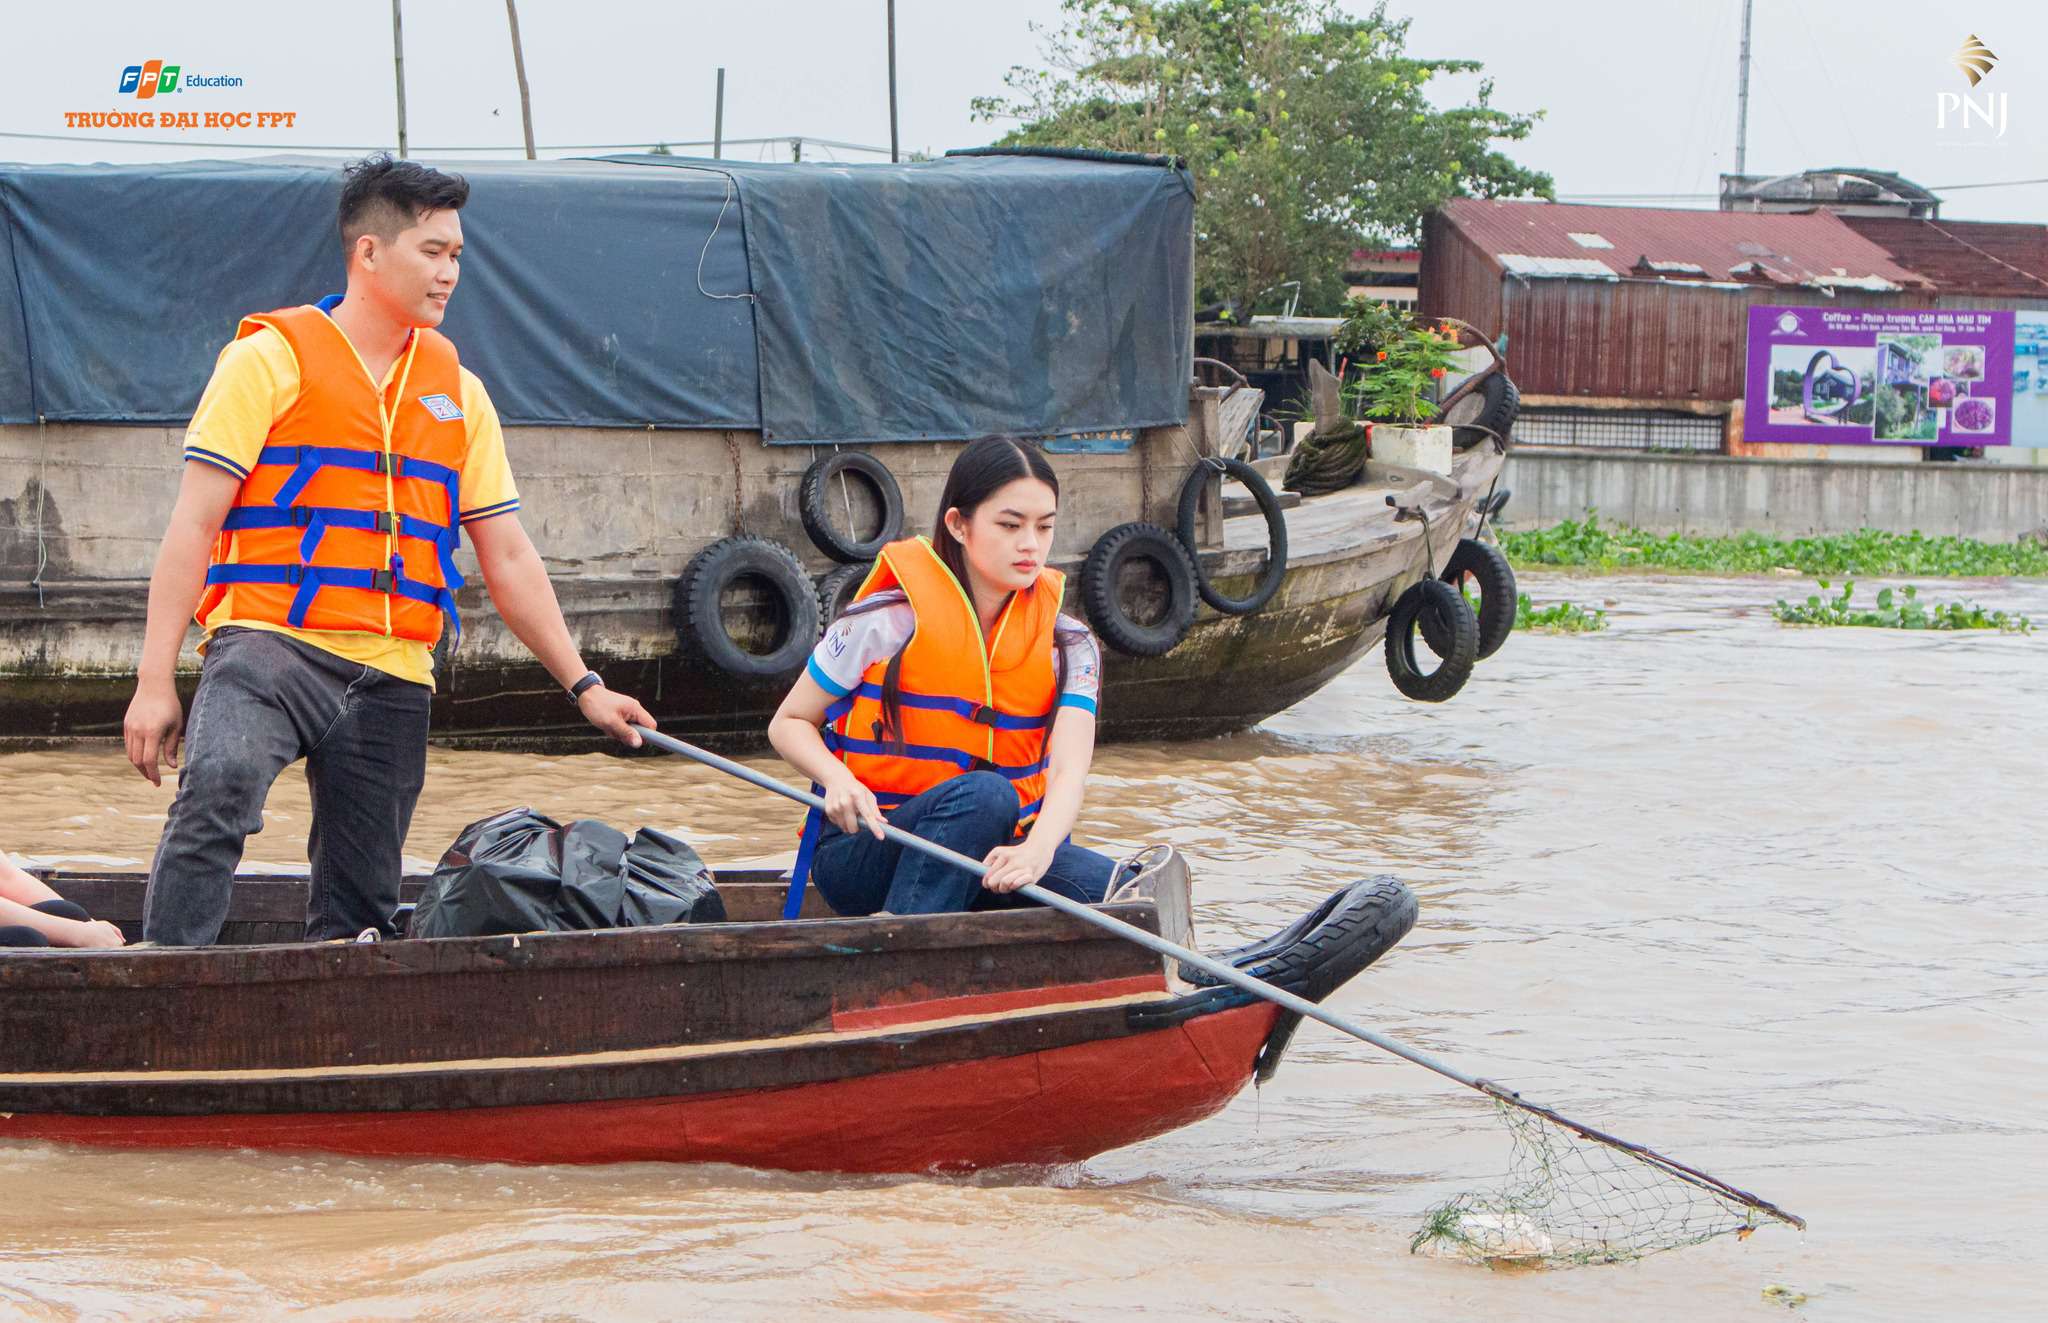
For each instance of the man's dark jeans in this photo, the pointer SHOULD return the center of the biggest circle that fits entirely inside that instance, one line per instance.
(265, 701)
(972, 813)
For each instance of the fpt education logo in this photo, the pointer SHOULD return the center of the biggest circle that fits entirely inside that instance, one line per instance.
(159, 78)
(146, 80)
(156, 78)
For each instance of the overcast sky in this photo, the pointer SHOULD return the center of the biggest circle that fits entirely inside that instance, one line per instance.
(1638, 99)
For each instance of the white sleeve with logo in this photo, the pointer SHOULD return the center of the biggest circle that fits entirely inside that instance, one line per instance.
(1084, 667)
(856, 642)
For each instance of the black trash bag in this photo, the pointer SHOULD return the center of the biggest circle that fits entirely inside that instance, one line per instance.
(520, 872)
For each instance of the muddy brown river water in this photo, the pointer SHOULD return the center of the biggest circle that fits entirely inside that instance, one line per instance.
(1775, 900)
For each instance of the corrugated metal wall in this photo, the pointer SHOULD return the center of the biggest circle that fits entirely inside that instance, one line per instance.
(1457, 279)
(1982, 302)
(1641, 339)
(1644, 340)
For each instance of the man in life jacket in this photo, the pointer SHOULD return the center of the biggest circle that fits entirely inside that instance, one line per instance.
(339, 452)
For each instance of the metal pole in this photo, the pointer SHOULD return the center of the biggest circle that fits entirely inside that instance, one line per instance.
(718, 119)
(1235, 977)
(398, 59)
(796, 150)
(892, 81)
(1742, 98)
(1230, 974)
(519, 68)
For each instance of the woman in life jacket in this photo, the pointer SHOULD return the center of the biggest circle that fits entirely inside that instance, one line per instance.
(954, 698)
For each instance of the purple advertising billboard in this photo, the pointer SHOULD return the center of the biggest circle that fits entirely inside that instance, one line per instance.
(1887, 376)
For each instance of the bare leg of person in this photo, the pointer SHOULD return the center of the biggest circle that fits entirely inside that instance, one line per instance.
(20, 886)
(61, 931)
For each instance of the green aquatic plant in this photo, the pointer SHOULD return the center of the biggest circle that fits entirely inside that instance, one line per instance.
(1558, 617)
(1868, 552)
(1900, 609)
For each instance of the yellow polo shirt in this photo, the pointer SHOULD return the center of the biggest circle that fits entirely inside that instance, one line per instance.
(254, 381)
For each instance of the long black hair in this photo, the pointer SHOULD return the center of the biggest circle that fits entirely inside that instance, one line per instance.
(982, 469)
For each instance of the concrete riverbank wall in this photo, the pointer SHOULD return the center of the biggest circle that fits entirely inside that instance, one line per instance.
(1699, 493)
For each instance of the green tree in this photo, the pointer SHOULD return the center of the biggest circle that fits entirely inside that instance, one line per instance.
(1308, 130)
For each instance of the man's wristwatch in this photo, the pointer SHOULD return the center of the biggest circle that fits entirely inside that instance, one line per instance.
(591, 680)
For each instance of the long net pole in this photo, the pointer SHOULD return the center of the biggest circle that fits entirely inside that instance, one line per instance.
(1562, 1204)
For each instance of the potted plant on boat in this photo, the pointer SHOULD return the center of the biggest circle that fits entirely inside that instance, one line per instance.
(1396, 393)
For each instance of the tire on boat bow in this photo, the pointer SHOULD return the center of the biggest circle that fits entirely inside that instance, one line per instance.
(1488, 412)
(1487, 565)
(1452, 621)
(1311, 957)
(1275, 568)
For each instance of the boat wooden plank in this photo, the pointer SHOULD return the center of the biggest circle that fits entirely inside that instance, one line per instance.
(674, 1072)
(920, 1118)
(157, 967)
(280, 899)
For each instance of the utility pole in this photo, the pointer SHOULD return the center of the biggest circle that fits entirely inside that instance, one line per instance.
(718, 119)
(892, 80)
(398, 58)
(1742, 98)
(519, 68)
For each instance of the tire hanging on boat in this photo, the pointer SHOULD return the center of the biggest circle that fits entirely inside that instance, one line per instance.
(836, 590)
(1489, 411)
(1459, 629)
(1487, 565)
(1106, 611)
(700, 615)
(1275, 568)
(815, 492)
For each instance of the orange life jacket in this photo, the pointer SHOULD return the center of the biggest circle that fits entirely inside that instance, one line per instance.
(350, 518)
(968, 704)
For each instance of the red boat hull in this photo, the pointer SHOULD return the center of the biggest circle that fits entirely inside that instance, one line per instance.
(1058, 1105)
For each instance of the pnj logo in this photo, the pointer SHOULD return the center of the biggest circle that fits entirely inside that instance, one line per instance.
(1987, 112)
(1974, 60)
(146, 80)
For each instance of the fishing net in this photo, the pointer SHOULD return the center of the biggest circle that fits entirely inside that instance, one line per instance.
(1575, 1195)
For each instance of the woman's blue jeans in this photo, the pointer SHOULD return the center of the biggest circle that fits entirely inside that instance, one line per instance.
(973, 813)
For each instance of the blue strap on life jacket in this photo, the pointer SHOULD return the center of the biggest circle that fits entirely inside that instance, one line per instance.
(800, 871)
(306, 461)
(807, 848)
(933, 753)
(317, 519)
(973, 711)
(310, 579)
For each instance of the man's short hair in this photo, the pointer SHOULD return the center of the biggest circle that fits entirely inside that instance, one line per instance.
(381, 196)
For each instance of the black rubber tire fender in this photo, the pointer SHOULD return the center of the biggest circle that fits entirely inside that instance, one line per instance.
(1098, 589)
(700, 624)
(1275, 570)
(1461, 633)
(1488, 567)
(1321, 952)
(816, 490)
(1500, 402)
(836, 590)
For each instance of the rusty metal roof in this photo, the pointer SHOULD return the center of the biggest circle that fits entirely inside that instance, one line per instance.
(1965, 257)
(1812, 249)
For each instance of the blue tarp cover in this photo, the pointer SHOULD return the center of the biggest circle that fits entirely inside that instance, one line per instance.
(938, 300)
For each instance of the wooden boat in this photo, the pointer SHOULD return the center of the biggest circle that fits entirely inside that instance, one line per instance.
(884, 1044)
(650, 418)
(67, 650)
